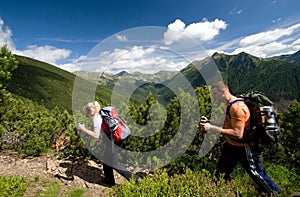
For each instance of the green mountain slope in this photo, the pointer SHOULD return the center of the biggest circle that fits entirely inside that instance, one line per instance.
(278, 79)
(293, 58)
(46, 84)
(42, 83)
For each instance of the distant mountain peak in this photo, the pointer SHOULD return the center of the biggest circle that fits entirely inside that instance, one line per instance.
(294, 58)
(123, 73)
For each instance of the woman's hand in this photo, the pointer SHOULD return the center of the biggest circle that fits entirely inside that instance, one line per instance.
(94, 133)
(81, 126)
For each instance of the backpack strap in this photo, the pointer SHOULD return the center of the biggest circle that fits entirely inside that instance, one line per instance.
(232, 102)
(104, 112)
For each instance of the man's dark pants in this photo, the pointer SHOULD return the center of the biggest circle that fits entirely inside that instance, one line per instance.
(248, 157)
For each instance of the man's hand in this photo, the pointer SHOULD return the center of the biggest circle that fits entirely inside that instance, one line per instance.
(204, 123)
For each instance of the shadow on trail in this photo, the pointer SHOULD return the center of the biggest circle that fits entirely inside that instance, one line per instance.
(83, 170)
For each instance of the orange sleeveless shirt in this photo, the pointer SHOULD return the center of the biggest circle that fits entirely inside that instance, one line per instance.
(239, 116)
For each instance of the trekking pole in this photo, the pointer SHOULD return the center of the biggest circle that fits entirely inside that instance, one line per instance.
(74, 155)
(201, 138)
(70, 176)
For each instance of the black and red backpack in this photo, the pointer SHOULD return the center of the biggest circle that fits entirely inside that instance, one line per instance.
(114, 125)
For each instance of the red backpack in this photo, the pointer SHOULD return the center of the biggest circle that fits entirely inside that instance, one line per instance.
(113, 124)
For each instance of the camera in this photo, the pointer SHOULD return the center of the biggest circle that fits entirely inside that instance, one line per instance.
(204, 120)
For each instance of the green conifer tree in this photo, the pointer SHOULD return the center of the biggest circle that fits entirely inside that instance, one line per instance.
(8, 63)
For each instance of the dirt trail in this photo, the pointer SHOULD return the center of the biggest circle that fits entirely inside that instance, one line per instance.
(88, 175)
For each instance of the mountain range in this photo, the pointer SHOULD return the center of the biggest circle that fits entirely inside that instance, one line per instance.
(278, 77)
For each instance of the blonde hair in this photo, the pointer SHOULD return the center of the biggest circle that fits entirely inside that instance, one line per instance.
(94, 104)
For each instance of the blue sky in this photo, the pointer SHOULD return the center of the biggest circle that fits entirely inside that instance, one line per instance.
(67, 33)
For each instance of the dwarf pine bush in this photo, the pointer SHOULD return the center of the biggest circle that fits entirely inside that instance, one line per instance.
(12, 185)
(188, 184)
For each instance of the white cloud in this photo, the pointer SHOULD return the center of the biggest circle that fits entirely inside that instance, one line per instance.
(74, 65)
(236, 11)
(263, 50)
(239, 12)
(46, 53)
(130, 59)
(49, 54)
(277, 20)
(132, 53)
(69, 67)
(297, 42)
(266, 44)
(136, 58)
(6, 36)
(202, 31)
(121, 38)
(268, 36)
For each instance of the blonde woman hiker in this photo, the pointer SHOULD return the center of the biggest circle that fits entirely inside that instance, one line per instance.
(111, 159)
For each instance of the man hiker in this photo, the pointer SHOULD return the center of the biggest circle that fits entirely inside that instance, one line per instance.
(247, 154)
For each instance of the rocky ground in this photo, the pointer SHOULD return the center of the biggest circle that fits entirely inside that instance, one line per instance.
(87, 174)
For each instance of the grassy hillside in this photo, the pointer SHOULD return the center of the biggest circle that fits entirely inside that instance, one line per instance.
(46, 84)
